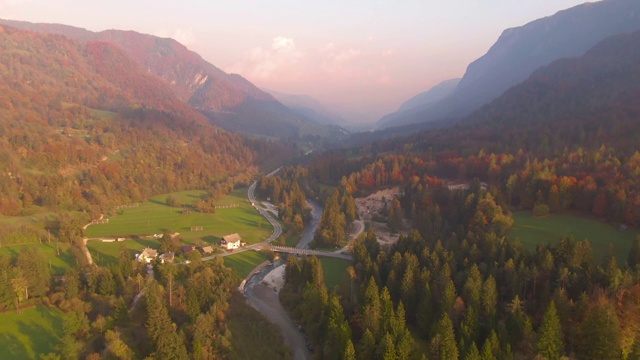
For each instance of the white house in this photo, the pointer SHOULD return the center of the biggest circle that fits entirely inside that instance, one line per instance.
(231, 241)
(147, 255)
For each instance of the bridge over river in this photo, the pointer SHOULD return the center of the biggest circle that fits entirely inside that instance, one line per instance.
(309, 252)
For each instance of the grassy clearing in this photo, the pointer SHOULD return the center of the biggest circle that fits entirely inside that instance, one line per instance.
(33, 332)
(249, 327)
(154, 217)
(105, 254)
(59, 263)
(603, 237)
(335, 271)
(38, 218)
(244, 262)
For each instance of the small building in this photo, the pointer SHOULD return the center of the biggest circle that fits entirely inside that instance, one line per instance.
(167, 257)
(147, 255)
(231, 241)
(206, 250)
(187, 248)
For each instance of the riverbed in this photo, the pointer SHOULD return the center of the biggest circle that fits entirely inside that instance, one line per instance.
(262, 289)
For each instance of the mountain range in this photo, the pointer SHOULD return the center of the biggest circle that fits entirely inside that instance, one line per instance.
(580, 102)
(308, 107)
(228, 100)
(421, 101)
(521, 50)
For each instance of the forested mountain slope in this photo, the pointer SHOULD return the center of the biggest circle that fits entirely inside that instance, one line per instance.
(227, 100)
(82, 127)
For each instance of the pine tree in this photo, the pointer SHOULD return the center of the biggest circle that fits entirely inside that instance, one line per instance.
(634, 254)
(366, 346)
(550, 343)
(443, 344)
(600, 334)
(473, 353)
(371, 312)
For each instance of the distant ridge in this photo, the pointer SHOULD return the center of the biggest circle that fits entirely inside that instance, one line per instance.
(421, 102)
(308, 107)
(519, 51)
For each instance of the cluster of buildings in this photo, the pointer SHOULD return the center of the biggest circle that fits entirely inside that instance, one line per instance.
(228, 242)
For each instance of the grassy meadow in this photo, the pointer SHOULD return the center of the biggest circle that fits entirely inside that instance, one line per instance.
(335, 271)
(31, 333)
(154, 217)
(244, 262)
(603, 237)
(59, 263)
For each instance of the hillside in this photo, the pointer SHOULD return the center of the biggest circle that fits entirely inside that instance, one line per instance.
(420, 102)
(586, 101)
(308, 107)
(519, 51)
(228, 100)
(82, 127)
(589, 100)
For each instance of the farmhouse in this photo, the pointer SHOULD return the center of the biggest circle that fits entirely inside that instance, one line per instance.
(205, 250)
(187, 248)
(231, 241)
(167, 257)
(147, 255)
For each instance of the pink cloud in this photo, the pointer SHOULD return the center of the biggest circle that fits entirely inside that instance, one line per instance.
(277, 61)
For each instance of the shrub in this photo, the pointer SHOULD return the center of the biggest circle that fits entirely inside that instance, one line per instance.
(541, 210)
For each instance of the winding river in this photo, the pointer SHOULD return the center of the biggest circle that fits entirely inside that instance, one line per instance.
(265, 299)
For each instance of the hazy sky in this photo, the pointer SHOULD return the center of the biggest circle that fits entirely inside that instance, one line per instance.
(363, 57)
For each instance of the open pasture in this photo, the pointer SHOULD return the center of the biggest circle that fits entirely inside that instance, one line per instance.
(59, 264)
(154, 217)
(550, 229)
(244, 262)
(31, 333)
(335, 271)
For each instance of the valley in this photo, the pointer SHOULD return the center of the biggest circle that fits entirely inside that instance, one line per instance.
(495, 214)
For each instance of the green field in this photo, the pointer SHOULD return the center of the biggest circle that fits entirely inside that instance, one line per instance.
(31, 333)
(154, 217)
(244, 262)
(59, 263)
(533, 231)
(335, 271)
(105, 254)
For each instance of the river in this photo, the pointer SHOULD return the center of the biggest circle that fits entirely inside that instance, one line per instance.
(264, 298)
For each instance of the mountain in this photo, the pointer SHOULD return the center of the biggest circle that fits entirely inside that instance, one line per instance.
(519, 51)
(582, 102)
(308, 107)
(227, 100)
(84, 127)
(421, 102)
(585, 101)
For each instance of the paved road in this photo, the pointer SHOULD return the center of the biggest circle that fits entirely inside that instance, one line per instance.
(277, 228)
